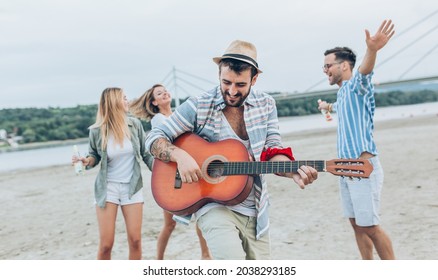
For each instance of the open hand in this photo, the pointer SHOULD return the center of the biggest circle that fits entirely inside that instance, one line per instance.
(382, 36)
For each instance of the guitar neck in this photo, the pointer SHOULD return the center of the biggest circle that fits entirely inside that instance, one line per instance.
(268, 167)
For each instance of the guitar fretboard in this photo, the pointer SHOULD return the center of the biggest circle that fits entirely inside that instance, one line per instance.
(267, 167)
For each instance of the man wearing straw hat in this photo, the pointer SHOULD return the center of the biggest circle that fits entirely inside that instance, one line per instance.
(231, 110)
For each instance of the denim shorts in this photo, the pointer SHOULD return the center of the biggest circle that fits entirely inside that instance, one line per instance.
(361, 196)
(118, 193)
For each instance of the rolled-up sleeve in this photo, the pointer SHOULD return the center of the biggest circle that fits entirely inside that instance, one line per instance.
(93, 149)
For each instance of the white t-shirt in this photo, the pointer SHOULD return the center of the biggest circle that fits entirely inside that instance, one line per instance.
(120, 161)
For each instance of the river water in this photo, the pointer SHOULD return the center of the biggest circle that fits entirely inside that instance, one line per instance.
(45, 157)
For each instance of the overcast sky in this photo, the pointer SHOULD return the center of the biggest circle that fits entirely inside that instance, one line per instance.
(64, 53)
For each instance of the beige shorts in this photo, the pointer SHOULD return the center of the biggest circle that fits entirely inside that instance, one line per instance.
(232, 236)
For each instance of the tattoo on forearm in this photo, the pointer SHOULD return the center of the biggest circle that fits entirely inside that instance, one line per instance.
(161, 148)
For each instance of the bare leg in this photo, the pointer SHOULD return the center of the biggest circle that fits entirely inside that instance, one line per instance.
(363, 241)
(106, 218)
(373, 236)
(163, 237)
(133, 214)
(205, 252)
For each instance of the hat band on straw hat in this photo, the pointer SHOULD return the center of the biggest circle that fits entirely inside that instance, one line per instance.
(240, 56)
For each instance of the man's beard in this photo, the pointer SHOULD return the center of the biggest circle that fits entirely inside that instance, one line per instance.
(239, 94)
(334, 80)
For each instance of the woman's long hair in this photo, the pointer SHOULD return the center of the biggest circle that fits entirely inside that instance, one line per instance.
(142, 107)
(111, 117)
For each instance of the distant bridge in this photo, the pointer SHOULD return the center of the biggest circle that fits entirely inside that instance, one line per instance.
(177, 80)
(178, 77)
(385, 85)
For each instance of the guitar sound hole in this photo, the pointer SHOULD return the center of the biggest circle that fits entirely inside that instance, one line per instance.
(215, 169)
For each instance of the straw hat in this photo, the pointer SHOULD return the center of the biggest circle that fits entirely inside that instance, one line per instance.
(240, 50)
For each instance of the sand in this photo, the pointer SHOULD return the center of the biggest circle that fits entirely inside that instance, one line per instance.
(48, 213)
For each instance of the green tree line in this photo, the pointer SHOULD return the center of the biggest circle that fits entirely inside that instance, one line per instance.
(41, 125)
(46, 124)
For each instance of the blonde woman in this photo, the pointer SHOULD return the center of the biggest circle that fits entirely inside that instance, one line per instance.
(117, 142)
(155, 105)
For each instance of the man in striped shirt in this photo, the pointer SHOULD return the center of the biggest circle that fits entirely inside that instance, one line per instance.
(355, 105)
(232, 110)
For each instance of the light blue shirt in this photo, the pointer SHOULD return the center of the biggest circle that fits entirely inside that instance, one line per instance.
(355, 106)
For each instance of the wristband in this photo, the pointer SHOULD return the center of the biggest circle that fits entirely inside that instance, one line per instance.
(271, 152)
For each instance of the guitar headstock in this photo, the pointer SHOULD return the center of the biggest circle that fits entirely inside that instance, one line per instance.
(361, 168)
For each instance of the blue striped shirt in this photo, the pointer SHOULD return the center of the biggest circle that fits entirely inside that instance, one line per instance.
(202, 115)
(355, 106)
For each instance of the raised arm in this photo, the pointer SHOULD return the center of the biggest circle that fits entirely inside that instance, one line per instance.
(374, 44)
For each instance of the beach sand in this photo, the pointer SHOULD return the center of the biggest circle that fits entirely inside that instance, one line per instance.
(49, 214)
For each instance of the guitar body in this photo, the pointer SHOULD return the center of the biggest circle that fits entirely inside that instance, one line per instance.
(183, 198)
(227, 174)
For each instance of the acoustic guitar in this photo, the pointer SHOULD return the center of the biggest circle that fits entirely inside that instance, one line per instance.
(228, 174)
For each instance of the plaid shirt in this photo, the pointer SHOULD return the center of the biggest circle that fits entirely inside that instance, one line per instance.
(201, 115)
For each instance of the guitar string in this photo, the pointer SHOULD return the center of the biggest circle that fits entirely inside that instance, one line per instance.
(263, 167)
(267, 167)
